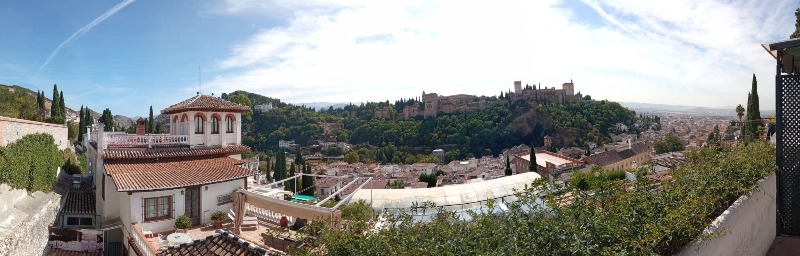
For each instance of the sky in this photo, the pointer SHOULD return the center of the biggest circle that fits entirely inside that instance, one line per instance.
(133, 54)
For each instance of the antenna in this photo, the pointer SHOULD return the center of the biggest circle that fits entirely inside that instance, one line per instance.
(199, 80)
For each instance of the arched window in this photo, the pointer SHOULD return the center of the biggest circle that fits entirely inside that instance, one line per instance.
(215, 125)
(198, 124)
(228, 124)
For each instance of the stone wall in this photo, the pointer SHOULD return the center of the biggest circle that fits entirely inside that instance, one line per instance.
(747, 227)
(12, 129)
(25, 220)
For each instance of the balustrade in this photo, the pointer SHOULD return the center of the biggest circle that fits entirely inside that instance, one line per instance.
(139, 240)
(133, 140)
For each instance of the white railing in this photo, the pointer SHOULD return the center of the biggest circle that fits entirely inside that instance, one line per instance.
(133, 140)
(267, 215)
(140, 241)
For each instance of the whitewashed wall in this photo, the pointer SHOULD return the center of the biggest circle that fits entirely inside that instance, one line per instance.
(748, 225)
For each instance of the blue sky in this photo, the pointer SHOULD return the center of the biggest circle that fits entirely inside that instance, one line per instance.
(128, 55)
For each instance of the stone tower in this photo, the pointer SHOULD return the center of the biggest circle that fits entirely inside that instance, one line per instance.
(517, 87)
(569, 88)
(431, 101)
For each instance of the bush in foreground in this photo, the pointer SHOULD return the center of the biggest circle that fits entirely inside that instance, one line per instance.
(615, 217)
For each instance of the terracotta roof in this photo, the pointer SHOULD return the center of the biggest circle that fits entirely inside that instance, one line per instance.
(220, 244)
(80, 202)
(640, 147)
(605, 158)
(327, 182)
(205, 103)
(628, 153)
(60, 252)
(152, 175)
(162, 153)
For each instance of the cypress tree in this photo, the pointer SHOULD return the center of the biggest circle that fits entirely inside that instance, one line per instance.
(81, 124)
(150, 121)
(290, 184)
(308, 181)
(62, 110)
(508, 167)
(753, 112)
(54, 106)
(533, 165)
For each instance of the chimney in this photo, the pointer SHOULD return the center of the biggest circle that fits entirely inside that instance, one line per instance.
(140, 124)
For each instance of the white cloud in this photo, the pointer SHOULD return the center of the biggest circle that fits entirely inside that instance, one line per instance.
(675, 52)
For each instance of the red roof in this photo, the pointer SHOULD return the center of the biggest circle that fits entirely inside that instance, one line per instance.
(205, 103)
(154, 175)
(169, 153)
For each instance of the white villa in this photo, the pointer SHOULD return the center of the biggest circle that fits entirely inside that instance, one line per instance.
(145, 181)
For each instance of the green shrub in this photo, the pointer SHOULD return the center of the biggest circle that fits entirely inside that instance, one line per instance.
(183, 222)
(218, 215)
(611, 217)
(71, 168)
(30, 163)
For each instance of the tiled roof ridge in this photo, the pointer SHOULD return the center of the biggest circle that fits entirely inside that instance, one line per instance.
(221, 234)
(160, 153)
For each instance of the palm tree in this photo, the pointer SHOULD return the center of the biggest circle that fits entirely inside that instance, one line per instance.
(740, 112)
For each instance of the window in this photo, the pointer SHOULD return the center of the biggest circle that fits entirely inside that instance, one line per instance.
(215, 125)
(157, 208)
(77, 221)
(198, 124)
(228, 124)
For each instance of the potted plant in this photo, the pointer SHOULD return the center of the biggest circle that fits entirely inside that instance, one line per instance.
(217, 217)
(183, 222)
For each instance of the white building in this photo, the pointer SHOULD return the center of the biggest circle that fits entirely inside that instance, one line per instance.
(286, 143)
(264, 107)
(145, 181)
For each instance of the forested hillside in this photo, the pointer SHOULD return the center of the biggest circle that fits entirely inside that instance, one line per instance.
(500, 125)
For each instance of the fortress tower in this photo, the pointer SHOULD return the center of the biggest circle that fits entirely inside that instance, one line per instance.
(517, 87)
(431, 101)
(569, 88)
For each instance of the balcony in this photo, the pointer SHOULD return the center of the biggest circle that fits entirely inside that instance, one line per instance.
(277, 238)
(148, 140)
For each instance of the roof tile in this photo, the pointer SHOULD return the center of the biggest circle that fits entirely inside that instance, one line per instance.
(152, 175)
(205, 103)
(162, 153)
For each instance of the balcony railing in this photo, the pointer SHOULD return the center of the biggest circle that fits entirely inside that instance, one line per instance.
(267, 215)
(139, 243)
(148, 140)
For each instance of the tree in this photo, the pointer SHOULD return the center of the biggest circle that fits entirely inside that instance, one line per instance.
(108, 120)
(279, 170)
(796, 33)
(291, 184)
(150, 121)
(55, 106)
(587, 97)
(533, 167)
(62, 111)
(242, 99)
(508, 167)
(81, 125)
(308, 181)
(396, 184)
(670, 143)
(753, 113)
(740, 112)
(351, 157)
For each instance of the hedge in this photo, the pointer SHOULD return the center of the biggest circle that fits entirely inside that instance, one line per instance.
(30, 163)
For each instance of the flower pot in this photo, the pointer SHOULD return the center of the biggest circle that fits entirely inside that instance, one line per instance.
(218, 224)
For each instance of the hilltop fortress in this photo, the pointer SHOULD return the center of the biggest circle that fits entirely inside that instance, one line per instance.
(432, 104)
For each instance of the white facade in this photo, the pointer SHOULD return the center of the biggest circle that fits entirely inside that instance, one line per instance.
(185, 123)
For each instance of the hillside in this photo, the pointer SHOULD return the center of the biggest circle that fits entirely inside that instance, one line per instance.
(20, 102)
(502, 124)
